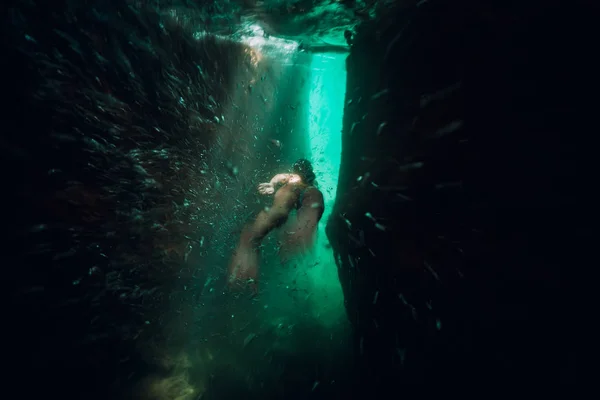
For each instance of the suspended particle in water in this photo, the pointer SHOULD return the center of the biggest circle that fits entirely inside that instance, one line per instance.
(441, 94)
(39, 228)
(379, 94)
(347, 221)
(451, 127)
(380, 129)
(376, 297)
(249, 338)
(351, 261)
(402, 354)
(411, 166)
(403, 197)
(431, 270)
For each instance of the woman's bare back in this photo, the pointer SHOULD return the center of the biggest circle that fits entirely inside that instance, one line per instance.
(288, 195)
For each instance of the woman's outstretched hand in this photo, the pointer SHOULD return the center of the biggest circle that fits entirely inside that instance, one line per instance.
(266, 188)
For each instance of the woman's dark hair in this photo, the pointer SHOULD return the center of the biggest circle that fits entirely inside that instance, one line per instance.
(304, 168)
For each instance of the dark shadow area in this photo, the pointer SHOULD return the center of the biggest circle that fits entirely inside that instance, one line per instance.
(474, 160)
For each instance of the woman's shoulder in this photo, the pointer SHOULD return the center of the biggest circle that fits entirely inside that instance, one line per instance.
(294, 178)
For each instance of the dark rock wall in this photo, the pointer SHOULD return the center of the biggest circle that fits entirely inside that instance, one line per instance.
(459, 222)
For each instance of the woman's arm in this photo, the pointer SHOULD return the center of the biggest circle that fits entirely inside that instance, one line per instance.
(269, 187)
(280, 179)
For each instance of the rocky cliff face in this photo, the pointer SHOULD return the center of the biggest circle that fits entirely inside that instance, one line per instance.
(454, 226)
(122, 163)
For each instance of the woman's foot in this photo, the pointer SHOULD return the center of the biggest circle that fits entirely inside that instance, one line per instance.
(243, 269)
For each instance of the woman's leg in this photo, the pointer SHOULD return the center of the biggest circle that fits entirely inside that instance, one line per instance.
(243, 269)
(300, 235)
(265, 222)
(303, 230)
